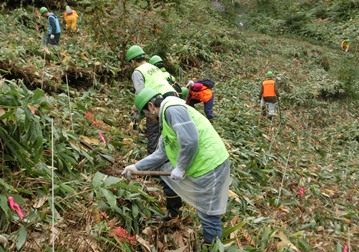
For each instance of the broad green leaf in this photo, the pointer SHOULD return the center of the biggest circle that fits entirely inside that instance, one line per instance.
(6, 185)
(228, 230)
(67, 188)
(37, 94)
(21, 238)
(111, 199)
(134, 210)
(4, 203)
(97, 180)
(111, 180)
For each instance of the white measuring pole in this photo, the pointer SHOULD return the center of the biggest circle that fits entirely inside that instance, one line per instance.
(52, 186)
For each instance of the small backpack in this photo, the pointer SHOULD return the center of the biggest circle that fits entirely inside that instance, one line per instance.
(206, 82)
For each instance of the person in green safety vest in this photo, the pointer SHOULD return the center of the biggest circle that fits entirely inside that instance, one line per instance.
(199, 161)
(158, 62)
(148, 75)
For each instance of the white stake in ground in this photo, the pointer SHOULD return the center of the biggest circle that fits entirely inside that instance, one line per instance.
(68, 96)
(43, 70)
(285, 171)
(52, 187)
(271, 143)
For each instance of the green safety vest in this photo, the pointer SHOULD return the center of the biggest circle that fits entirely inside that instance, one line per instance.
(211, 149)
(154, 78)
(168, 76)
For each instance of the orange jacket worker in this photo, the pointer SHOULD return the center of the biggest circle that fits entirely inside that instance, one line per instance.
(269, 95)
(198, 92)
(345, 44)
(71, 17)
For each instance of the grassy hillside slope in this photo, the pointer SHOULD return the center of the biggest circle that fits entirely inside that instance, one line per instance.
(294, 179)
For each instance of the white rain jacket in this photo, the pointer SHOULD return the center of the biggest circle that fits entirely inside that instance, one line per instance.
(207, 193)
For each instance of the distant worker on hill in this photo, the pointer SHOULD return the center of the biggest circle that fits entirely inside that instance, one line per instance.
(201, 91)
(198, 158)
(158, 62)
(269, 95)
(53, 35)
(345, 45)
(70, 16)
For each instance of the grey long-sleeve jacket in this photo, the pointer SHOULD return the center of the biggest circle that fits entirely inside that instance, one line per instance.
(179, 120)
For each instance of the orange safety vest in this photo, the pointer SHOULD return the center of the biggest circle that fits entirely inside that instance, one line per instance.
(204, 95)
(345, 44)
(268, 88)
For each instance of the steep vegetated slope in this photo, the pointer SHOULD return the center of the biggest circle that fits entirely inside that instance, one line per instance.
(294, 179)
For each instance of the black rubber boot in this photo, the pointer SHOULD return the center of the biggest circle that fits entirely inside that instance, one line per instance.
(173, 204)
(264, 112)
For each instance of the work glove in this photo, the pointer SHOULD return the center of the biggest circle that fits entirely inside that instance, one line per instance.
(127, 171)
(52, 36)
(177, 174)
(190, 84)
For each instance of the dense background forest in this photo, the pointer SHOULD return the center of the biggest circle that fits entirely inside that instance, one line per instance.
(66, 127)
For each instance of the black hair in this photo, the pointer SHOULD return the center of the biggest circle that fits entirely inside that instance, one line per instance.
(156, 101)
(139, 58)
(160, 64)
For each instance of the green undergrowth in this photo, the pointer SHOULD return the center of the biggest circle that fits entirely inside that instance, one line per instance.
(294, 179)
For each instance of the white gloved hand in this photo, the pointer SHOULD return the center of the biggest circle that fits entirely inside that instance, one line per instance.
(52, 36)
(177, 174)
(190, 84)
(127, 171)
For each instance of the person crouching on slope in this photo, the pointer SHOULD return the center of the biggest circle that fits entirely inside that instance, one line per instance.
(70, 16)
(197, 93)
(199, 161)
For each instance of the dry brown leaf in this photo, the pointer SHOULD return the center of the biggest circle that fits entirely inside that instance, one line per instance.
(283, 209)
(32, 108)
(82, 162)
(66, 59)
(3, 240)
(40, 202)
(248, 237)
(45, 50)
(128, 154)
(286, 242)
(266, 137)
(145, 244)
(148, 231)
(235, 234)
(234, 195)
(83, 56)
(329, 191)
(177, 250)
(178, 237)
(127, 141)
(325, 195)
(90, 140)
